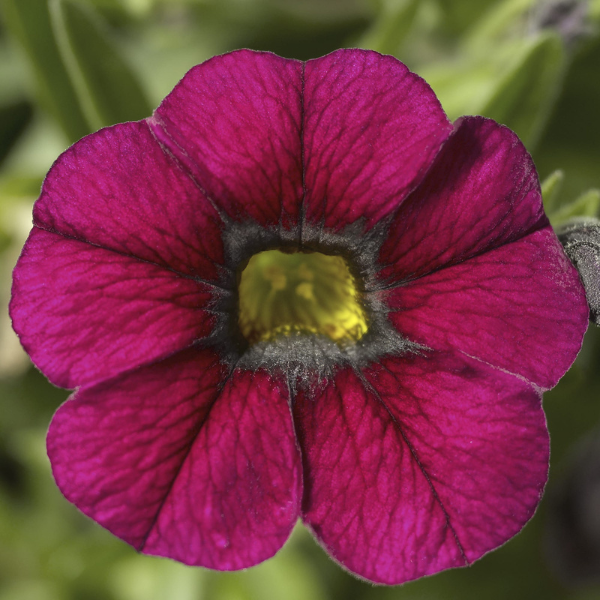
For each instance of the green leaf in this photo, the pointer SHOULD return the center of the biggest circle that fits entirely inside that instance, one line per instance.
(14, 119)
(108, 90)
(462, 87)
(137, 578)
(17, 188)
(551, 187)
(391, 27)
(498, 22)
(29, 23)
(81, 78)
(587, 205)
(524, 96)
(290, 575)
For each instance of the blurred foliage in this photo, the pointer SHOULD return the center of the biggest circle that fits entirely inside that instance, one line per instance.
(81, 79)
(551, 187)
(68, 67)
(586, 205)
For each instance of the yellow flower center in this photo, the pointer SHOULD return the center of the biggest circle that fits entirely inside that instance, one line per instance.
(283, 293)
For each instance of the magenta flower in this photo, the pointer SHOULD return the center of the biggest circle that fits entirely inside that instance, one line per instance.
(299, 291)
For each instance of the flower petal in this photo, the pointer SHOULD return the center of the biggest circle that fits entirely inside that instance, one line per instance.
(433, 462)
(520, 307)
(118, 188)
(482, 192)
(234, 122)
(176, 466)
(371, 130)
(84, 313)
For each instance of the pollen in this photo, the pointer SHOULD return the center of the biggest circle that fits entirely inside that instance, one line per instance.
(283, 294)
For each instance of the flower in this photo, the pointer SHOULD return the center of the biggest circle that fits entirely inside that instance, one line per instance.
(297, 290)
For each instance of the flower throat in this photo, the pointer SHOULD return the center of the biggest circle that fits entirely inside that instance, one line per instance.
(283, 294)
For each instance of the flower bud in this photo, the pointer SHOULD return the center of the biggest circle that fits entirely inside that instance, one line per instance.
(581, 240)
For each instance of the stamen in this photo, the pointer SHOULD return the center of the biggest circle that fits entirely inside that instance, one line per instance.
(282, 294)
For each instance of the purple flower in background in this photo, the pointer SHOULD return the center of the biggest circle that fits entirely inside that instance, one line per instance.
(299, 291)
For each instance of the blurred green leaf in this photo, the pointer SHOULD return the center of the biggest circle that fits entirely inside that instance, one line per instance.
(391, 26)
(108, 90)
(501, 20)
(29, 22)
(14, 118)
(289, 575)
(149, 578)
(81, 78)
(460, 86)
(524, 96)
(551, 187)
(587, 205)
(17, 188)
(459, 15)
(5, 240)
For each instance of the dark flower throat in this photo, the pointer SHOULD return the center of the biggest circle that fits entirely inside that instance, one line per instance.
(303, 303)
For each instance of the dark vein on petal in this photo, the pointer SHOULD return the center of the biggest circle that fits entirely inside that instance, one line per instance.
(539, 225)
(369, 388)
(175, 152)
(291, 403)
(143, 365)
(136, 258)
(538, 389)
(302, 215)
(199, 427)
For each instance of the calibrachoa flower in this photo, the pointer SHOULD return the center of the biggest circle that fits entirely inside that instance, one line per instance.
(297, 290)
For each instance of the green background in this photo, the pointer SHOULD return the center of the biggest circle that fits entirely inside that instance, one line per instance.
(68, 67)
